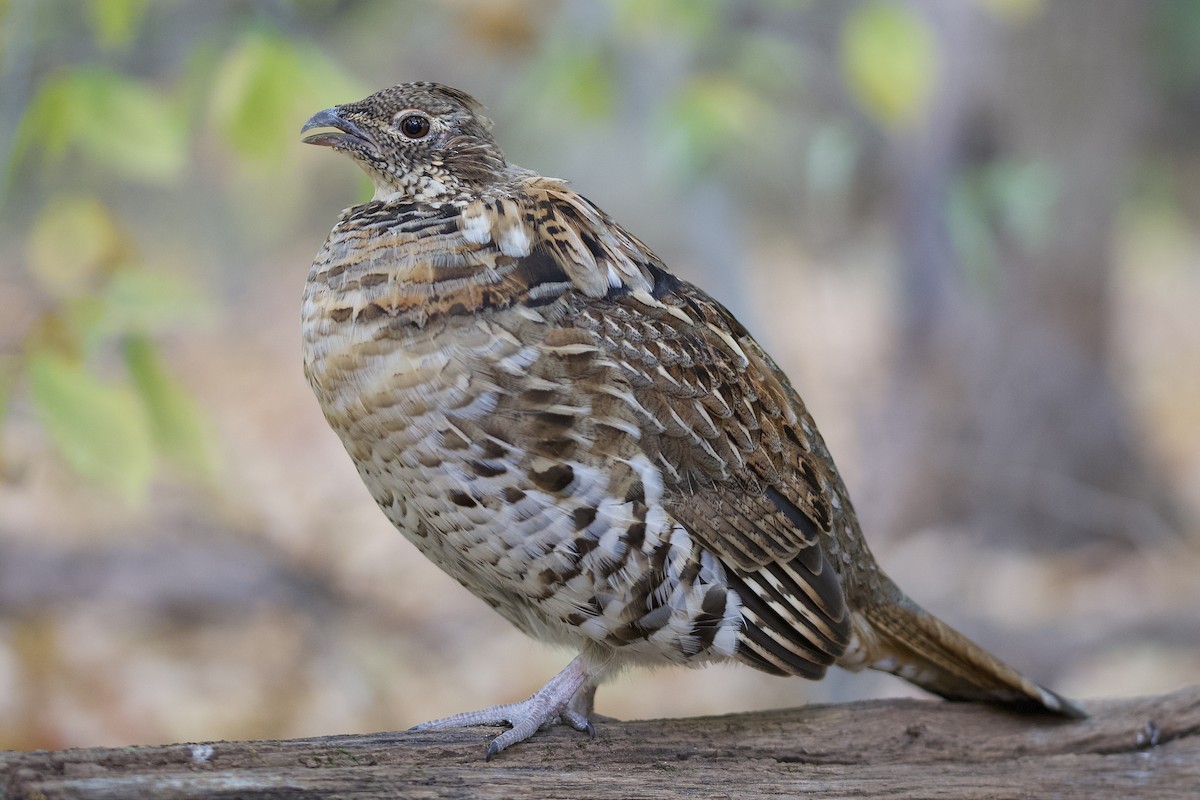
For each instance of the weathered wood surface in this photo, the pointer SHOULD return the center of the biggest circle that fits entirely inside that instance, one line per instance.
(1140, 747)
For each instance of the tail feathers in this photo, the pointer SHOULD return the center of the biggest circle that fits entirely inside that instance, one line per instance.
(908, 641)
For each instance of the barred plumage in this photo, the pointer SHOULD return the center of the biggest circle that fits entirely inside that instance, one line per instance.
(594, 447)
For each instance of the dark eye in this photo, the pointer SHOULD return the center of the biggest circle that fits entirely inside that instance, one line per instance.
(414, 126)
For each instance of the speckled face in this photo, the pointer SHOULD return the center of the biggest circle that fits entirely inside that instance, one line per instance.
(418, 142)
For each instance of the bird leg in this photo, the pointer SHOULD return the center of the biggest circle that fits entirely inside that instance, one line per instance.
(567, 697)
(582, 703)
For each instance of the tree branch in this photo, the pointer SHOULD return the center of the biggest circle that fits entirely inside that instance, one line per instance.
(1148, 746)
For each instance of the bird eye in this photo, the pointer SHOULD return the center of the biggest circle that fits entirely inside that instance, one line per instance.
(414, 126)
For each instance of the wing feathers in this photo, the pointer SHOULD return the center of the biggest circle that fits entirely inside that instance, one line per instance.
(732, 439)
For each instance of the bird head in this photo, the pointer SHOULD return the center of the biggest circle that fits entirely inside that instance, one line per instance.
(418, 142)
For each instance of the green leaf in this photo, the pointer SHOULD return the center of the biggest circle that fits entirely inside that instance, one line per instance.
(130, 127)
(580, 80)
(73, 240)
(889, 61)
(267, 86)
(115, 22)
(691, 18)
(47, 124)
(99, 428)
(142, 301)
(116, 122)
(1015, 11)
(1024, 196)
(1175, 56)
(770, 63)
(971, 236)
(1005, 200)
(178, 427)
(708, 116)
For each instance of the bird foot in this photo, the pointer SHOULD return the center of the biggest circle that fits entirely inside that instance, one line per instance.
(556, 701)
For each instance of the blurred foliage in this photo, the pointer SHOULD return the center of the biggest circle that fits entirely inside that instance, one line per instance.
(115, 22)
(100, 297)
(1013, 10)
(176, 427)
(262, 84)
(111, 120)
(1000, 202)
(708, 115)
(91, 360)
(99, 426)
(577, 79)
(890, 61)
(695, 19)
(1177, 30)
(122, 104)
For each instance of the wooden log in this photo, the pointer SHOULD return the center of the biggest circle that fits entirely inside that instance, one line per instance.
(1139, 747)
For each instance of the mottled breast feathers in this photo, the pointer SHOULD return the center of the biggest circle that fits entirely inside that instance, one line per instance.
(743, 468)
(524, 247)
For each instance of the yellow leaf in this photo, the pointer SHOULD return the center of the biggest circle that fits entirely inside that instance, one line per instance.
(73, 240)
(889, 61)
(115, 22)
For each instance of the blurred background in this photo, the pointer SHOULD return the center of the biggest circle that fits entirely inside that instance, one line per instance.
(969, 231)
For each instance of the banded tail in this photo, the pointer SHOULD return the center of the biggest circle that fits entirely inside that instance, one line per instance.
(906, 640)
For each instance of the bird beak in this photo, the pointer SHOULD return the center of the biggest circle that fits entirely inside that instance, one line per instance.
(332, 118)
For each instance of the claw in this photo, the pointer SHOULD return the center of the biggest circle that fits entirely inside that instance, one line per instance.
(578, 722)
(556, 701)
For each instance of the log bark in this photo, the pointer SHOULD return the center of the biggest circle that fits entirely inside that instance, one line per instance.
(1140, 747)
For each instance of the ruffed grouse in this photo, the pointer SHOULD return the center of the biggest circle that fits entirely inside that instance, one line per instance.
(594, 447)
